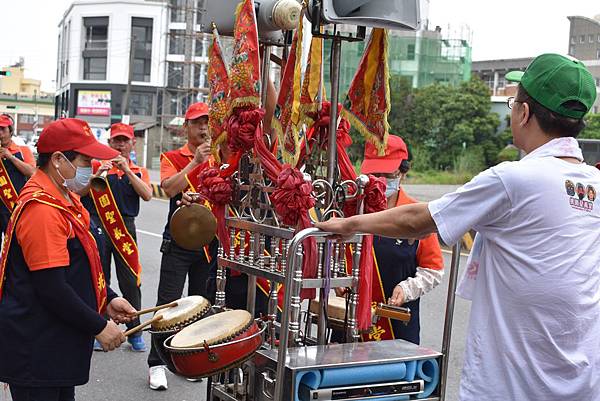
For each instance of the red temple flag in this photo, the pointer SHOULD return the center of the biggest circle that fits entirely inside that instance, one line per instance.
(245, 65)
(218, 95)
(313, 80)
(286, 117)
(367, 104)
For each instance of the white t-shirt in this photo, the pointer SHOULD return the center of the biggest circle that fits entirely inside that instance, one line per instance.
(534, 330)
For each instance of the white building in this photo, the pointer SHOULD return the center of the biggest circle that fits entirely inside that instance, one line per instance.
(97, 42)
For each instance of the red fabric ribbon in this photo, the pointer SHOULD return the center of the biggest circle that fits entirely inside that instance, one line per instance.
(374, 201)
(319, 131)
(242, 126)
(218, 191)
(232, 165)
(373, 195)
(292, 196)
(292, 200)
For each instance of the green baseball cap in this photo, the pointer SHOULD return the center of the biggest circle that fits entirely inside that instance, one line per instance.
(553, 79)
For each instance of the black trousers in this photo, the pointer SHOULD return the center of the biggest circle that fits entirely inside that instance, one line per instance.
(127, 280)
(19, 393)
(176, 265)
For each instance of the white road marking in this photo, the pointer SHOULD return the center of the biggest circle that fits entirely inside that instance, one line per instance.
(149, 233)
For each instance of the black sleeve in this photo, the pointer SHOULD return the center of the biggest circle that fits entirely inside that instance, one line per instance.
(51, 287)
(110, 295)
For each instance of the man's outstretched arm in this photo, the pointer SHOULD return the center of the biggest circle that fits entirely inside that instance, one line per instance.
(407, 221)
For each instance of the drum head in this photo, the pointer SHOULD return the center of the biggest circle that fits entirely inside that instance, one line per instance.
(193, 226)
(187, 309)
(213, 329)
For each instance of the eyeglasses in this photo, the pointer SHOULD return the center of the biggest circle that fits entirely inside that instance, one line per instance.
(392, 175)
(510, 102)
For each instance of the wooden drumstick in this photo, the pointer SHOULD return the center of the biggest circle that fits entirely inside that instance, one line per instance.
(154, 309)
(142, 325)
(393, 312)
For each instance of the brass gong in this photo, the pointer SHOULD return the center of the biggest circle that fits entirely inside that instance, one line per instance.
(193, 226)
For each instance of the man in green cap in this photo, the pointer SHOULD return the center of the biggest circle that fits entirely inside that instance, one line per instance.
(534, 330)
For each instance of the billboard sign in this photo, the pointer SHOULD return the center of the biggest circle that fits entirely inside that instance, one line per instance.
(93, 103)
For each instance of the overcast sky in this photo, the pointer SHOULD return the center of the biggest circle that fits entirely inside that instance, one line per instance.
(500, 29)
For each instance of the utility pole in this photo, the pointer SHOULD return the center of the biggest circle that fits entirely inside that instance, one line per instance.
(125, 102)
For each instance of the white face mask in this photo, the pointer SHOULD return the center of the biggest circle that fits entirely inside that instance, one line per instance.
(81, 179)
(392, 186)
(60, 174)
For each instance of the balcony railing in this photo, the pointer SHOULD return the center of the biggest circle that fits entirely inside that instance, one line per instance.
(96, 45)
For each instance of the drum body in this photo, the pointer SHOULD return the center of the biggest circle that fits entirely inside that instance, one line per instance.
(214, 355)
(189, 310)
(336, 312)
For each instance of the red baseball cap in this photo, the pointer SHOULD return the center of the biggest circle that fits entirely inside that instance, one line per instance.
(5, 121)
(120, 129)
(395, 152)
(196, 110)
(73, 134)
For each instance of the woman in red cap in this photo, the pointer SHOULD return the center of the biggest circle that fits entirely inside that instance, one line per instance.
(52, 288)
(406, 269)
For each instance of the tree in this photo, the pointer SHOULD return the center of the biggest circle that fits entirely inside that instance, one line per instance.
(592, 129)
(450, 121)
(401, 97)
(443, 123)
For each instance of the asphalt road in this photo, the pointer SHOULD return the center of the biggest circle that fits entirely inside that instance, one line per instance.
(123, 374)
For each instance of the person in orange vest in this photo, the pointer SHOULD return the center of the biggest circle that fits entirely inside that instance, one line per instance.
(17, 165)
(179, 171)
(116, 208)
(53, 295)
(405, 269)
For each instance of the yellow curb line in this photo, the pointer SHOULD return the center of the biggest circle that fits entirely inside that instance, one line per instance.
(157, 191)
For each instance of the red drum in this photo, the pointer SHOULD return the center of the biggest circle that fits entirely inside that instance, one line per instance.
(215, 344)
(188, 310)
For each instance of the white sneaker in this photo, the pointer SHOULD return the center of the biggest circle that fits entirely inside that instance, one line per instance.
(157, 377)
